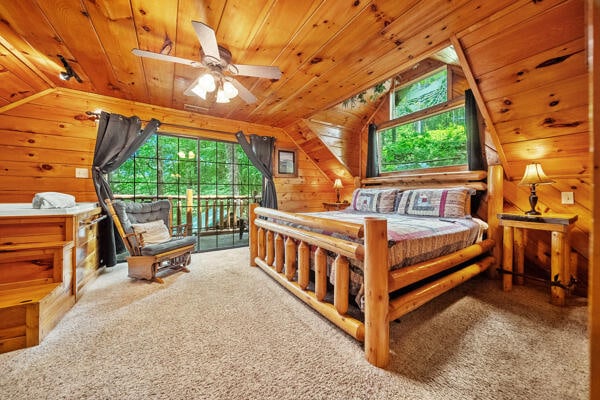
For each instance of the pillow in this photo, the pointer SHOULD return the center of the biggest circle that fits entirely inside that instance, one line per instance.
(153, 232)
(451, 203)
(374, 200)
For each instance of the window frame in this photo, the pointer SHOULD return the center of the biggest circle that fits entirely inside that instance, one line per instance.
(451, 104)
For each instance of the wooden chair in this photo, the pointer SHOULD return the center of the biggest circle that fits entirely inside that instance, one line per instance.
(145, 260)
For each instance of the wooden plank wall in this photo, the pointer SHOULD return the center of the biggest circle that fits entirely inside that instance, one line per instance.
(536, 98)
(43, 141)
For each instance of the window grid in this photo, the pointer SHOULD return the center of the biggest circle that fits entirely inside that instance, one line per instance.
(221, 179)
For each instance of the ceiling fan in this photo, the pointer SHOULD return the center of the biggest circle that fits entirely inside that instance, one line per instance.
(220, 71)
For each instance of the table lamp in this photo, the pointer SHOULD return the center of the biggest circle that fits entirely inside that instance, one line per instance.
(534, 175)
(337, 185)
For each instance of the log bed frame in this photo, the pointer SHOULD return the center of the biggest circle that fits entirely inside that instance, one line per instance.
(273, 248)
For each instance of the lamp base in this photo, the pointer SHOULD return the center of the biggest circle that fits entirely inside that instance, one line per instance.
(533, 201)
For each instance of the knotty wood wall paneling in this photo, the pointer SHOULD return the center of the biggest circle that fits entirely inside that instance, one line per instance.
(318, 152)
(593, 37)
(536, 95)
(44, 140)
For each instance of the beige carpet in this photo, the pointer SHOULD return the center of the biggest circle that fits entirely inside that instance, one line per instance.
(227, 331)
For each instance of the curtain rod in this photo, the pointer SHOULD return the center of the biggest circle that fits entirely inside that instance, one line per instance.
(94, 116)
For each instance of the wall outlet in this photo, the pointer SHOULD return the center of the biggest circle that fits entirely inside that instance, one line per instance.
(81, 173)
(567, 198)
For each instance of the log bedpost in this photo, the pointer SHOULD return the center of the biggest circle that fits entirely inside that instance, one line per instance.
(320, 274)
(495, 182)
(270, 248)
(342, 282)
(261, 240)
(290, 258)
(279, 252)
(303, 265)
(377, 326)
(252, 235)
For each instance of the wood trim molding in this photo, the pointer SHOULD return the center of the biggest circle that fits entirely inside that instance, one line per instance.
(466, 67)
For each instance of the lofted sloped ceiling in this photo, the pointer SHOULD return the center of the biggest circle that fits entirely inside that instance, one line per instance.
(327, 50)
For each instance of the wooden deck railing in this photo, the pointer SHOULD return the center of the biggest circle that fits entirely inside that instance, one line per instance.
(205, 214)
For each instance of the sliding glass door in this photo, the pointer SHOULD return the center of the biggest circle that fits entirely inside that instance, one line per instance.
(209, 183)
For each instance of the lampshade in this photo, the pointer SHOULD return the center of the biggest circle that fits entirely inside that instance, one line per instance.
(337, 184)
(230, 90)
(207, 83)
(534, 175)
(222, 97)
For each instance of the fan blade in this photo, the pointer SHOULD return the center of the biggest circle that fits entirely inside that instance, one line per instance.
(244, 93)
(166, 57)
(259, 71)
(208, 39)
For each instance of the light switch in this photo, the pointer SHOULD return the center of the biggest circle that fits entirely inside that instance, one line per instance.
(567, 198)
(81, 173)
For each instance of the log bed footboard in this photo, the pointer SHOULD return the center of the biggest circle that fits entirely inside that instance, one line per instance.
(283, 252)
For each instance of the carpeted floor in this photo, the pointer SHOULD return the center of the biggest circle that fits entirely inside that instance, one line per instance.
(227, 331)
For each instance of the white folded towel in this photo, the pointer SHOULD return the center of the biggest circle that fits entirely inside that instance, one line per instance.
(53, 200)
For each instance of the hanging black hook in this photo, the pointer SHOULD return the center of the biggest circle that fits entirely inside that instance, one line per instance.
(68, 73)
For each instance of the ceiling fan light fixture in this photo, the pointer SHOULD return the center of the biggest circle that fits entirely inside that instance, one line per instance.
(207, 83)
(198, 91)
(222, 96)
(230, 90)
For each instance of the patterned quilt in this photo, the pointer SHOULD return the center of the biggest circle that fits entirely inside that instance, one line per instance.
(411, 239)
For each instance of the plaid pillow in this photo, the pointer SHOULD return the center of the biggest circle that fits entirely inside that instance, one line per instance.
(451, 203)
(374, 200)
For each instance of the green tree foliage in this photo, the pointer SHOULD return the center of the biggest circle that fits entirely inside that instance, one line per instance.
(169, 165)
(433, 142)
(420, 95)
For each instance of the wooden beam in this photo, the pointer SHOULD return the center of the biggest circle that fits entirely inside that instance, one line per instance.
(26, 100)
(466, 67)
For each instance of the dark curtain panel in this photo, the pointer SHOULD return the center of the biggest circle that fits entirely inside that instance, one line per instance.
(372, 162)
(474, 150)
(260, 153)
(117, 139)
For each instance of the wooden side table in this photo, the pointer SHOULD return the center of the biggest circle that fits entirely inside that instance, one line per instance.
(560, 225)
(335, 206)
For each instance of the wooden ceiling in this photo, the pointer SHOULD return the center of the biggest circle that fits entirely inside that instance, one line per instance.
(327, 50)
(515, 54)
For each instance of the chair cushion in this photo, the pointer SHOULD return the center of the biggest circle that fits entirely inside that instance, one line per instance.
(153, 232)
(130, 212)
(154, 249)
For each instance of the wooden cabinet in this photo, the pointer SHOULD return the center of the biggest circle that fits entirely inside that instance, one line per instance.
(46, 258)
(85, 252)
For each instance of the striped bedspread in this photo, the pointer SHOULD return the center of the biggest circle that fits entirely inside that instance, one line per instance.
(413, 239)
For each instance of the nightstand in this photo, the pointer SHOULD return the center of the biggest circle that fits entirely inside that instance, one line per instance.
(335, 206)
(560, 225)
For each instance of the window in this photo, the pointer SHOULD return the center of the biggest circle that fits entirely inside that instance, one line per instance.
(426, 129)
(216, 177)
